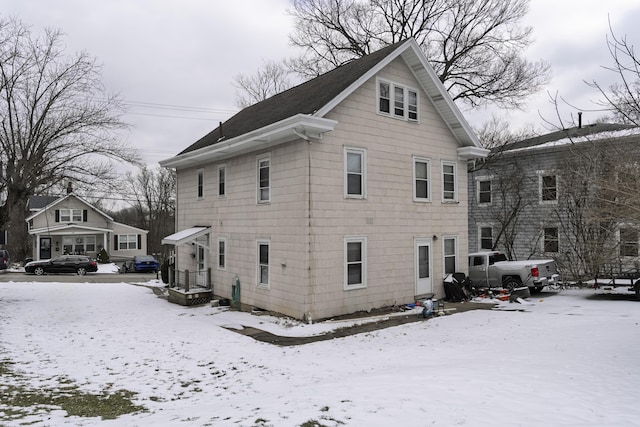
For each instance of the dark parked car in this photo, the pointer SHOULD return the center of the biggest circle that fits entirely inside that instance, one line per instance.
(141, 263)
(63, 264)
(4, 259)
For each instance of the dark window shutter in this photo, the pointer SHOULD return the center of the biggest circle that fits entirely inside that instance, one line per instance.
(57, 215)
(84, 215)
(139, 241)
(115, 242)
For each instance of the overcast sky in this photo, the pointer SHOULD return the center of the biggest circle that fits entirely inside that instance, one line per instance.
(173, 61)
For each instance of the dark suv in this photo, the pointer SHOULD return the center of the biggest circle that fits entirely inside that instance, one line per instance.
(4, 259)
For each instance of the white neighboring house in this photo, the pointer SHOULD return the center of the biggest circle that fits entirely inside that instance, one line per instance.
(71, 225)
(345, 193)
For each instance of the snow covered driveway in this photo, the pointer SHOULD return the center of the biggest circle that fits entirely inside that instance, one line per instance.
(569, 359)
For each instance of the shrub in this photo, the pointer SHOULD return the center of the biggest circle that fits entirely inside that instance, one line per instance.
(103, 256)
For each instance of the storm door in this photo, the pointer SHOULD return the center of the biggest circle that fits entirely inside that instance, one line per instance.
(45, 248)
(424, 284)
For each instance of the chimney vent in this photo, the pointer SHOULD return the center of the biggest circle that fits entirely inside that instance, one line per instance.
(579, 119)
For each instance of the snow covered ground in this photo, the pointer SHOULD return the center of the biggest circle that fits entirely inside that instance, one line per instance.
(570, 359)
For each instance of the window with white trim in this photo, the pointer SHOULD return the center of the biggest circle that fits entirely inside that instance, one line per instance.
(355, 173)
(70, 215)
(127, 241)
(550, 239)
(548, 184)
(264, 179)
(405, 101)
(486, 237)
(200, 192)
(355, 269)
(222, 180)
(263, 263)
(421, 179)
(222, 253)
(90, 243)
(449, 254)
(449, 185)
(484, 191)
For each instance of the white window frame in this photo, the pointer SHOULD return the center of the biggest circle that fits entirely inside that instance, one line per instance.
(259, 198)
(260, 266)
(127, 238)
(455, 181)
(410, 110)
(541, 175)
(479, 181)
(363, 173)
(445, 255)
(480, 227)
(417, 160)
(221, 265)
(90, 241)
(200, 184)
(363, 261)
(222, 183)
(71, 215)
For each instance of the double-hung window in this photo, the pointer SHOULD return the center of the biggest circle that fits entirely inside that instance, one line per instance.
(222, 180)
(127, 241)
(486, 238)
(550, 240)
(397, 101)
(70, 215)
(200, 191)
(263, 263)
(222, 253)
(548, 187)
(449, 182)
(355, 272)
(449, 252)
(264, 179)
(421, 182)
(484, 191)
(355, 173)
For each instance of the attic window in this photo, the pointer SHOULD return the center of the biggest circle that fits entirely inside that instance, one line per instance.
(405, 101)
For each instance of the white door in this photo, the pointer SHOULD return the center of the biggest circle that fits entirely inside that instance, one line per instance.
(203, 261)
(424, 284)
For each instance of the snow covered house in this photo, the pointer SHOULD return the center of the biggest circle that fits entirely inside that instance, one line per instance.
(570, 195)
(71, 225)
(342, 194)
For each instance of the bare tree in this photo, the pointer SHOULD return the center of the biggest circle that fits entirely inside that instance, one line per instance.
(474, 46)
(270, 79)
(56, 122)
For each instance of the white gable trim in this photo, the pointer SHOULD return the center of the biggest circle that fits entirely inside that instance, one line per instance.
(60, 200)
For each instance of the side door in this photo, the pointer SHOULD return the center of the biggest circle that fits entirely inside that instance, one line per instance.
(424, 284)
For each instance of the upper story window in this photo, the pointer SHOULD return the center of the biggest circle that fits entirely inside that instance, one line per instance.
(548, 184)
(222, 180)
(421, 179)
(355, 173)
(264, 180)
(484, 191)
(486, 237)
(200, 183)
(550, 239)
(449, 185)
(405, 101)
(71, 215)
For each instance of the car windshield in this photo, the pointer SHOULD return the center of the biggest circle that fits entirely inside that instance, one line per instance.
(145, 258)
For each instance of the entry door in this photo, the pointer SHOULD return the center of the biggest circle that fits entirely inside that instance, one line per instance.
(203, 262)
(45, 248)
(424, 284)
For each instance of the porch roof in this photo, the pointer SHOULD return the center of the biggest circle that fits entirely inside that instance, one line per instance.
(68, 229)
(185, 236)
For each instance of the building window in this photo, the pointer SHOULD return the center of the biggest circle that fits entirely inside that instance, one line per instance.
(550, 239)
(486, 238)
(127, 241)
(449, 252)
(67, 245)
(70, 215)
(355, 275)
(200, 183)
(484, 192)
(222, 253)
(90, 243)
(222, 180)
(263, 263)
(355, 173)
(448, 182)
(421, 173)
(548, 188)
(264, 180)
(628, 242)
(405, 101)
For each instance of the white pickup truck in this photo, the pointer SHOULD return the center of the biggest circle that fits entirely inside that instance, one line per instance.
(491, 269)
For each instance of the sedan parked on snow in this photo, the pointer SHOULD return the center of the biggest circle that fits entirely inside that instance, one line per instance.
(141, 263)
(63, 264)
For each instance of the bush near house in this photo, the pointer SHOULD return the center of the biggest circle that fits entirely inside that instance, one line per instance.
(103, 257)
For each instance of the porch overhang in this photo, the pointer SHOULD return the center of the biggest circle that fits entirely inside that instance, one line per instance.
(471, 152)
(68, 229)
(186, 236)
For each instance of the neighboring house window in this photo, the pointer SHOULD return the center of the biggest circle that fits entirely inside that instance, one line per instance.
(450, 259)
(550, 239)
(405, 101)
(222, 180)
(421, 173)
(263, 263)
(355, 173)
(90, 243)
(355, 273)
(67, 245)
(548, 188)
(222, 253)
(484, 192)
(264, 180)
(71, 215)
(127, 241)
(628, 242)
(448, 181)
(200, 183)
(486, 238)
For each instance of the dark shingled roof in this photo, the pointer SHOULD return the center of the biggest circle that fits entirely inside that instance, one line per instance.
(574, 132)
(306, 98)
(39, 202)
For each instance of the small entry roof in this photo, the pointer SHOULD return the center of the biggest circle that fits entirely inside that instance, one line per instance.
(185, 236)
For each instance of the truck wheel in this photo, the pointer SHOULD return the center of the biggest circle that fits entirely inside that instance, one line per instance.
(510, 283)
